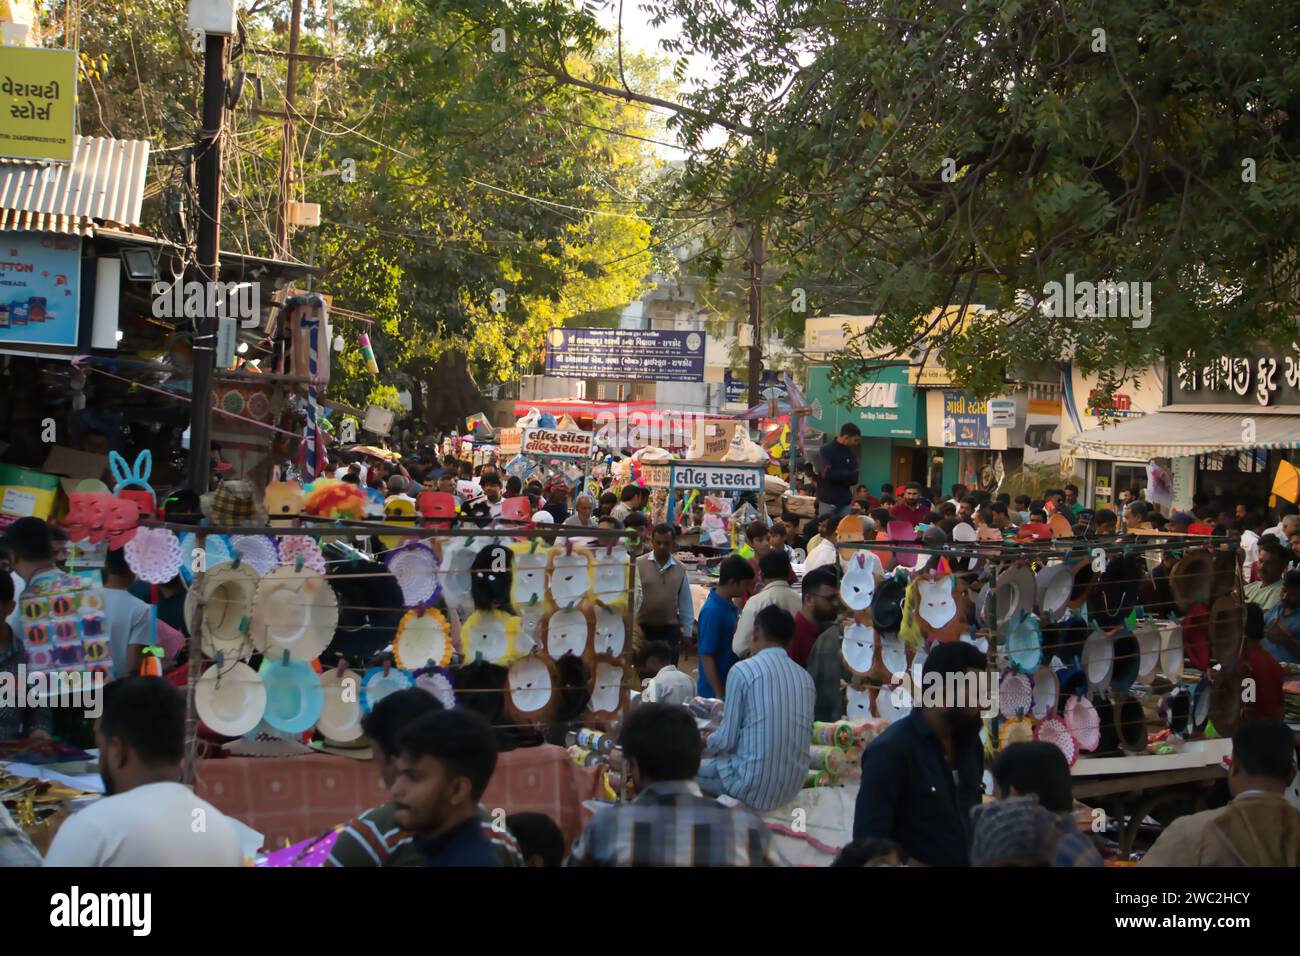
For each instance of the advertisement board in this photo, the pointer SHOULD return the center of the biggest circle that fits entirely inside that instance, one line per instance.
(706, 477)
(40, 288)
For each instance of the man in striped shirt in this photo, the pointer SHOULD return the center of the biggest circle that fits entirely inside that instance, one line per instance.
(759, 754)
(374, 838)
(670, 823)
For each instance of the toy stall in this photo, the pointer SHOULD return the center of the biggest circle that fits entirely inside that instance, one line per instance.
(539, 445)
(303, 615)
(1140, 690)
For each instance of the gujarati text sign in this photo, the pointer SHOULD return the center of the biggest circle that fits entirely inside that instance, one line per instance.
(683, 474)
(556, 443)
(627, 354)
(38, 102)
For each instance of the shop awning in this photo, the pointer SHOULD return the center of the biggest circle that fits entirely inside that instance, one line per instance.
(1175, 434)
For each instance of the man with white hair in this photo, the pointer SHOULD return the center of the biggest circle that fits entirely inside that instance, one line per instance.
(583, 512)
(1284, 529)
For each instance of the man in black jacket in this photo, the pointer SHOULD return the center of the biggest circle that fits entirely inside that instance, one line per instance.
(839, 470)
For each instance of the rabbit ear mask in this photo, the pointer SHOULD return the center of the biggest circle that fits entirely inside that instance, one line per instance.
(117, 464)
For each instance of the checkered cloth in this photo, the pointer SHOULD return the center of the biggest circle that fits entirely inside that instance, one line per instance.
(231, 504)
(673, 824)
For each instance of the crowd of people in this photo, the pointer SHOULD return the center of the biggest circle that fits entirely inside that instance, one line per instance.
(767, 645)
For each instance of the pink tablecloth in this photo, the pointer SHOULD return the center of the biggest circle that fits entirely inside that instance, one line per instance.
(291, 798)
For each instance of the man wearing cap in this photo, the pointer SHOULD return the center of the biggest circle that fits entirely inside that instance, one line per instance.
(839, 469)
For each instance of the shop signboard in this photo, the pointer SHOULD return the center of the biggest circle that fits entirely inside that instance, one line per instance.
(644, 355)
(737, 386)
(1262, 377)
(556, 443)
(38, 103)
(882, 405)
(704, 476)
(40, 288)
(965, 421)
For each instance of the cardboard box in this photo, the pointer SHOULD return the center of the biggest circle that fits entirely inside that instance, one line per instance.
(73, 467)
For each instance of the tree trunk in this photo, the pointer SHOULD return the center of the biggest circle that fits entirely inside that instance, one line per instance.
(453, 395)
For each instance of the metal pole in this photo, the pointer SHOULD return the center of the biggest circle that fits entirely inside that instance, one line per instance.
(755, 310)
(205, 340)
(286, 151)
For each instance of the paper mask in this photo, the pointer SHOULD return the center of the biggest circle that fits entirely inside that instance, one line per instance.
(935, 603)
(858, 649)
(611, 634)
(121, 518)
(570, 574)
(531, 684)
(491, 634)
(283, 500)
(610, 564)
(567, 632)
(859, 584)
(610, 680)
(529, 584)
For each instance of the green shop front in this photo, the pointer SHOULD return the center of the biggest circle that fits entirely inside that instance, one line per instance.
(888, 413)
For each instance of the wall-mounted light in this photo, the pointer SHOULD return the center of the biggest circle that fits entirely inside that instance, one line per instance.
(140, 264)
(241, 348)
(119, 335)
(339, 344)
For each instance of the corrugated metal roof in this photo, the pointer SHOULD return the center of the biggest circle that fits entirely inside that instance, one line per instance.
(105, 182)
(12, 220)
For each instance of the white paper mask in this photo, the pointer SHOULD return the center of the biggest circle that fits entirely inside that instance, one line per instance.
(858, 703)
(570, 578)
(566, 633)
(457, 559)
(486, 633)
(859, 584)
(610, 632)
(530, 684)
(607, 689)
(529, 583)
(610, 573)
(859, 648)
(935, 603)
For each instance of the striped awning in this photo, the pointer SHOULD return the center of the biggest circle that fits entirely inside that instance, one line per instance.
(1173, 434)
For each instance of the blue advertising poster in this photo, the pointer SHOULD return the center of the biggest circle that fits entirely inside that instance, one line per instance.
(737, 386)
(965, 421)
(626, 354)
(40, 282)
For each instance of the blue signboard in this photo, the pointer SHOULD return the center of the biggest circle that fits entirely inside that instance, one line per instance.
(626, 354)
(737, 386)
(965, 421)
(40, 283)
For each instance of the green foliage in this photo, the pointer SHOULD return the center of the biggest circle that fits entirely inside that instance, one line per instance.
(1113, 155)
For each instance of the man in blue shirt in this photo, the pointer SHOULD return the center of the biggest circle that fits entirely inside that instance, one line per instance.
(447, 758)
(759, 754)
(1282, 624)
(839, 469)
(922, 777)
(717, 625)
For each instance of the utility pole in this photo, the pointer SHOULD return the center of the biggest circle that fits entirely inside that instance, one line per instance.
(205, 339)
(286, 152)
(755, 310)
